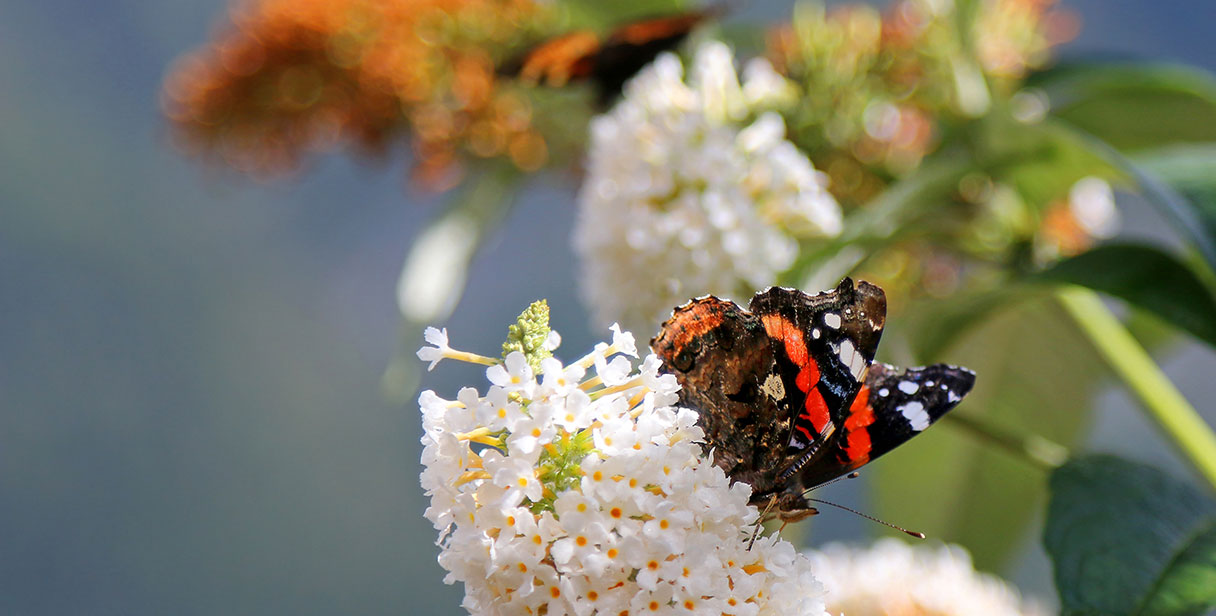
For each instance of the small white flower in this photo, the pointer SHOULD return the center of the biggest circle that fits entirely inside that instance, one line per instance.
(623, 341)
(613, 372)
(615, 436)
(667, 525)
(516, 475)
(684, 196)
(654, 601)
(558, 380)
(581, 545)
(498, 412)
(434, 410)
(514, 374)
(439, 338)
(892, 576)
(532, 432)
(576, 413)
(553, 341)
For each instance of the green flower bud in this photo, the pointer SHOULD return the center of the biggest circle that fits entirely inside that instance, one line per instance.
(529, 334)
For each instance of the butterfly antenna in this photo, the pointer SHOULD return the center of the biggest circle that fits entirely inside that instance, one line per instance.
(852, 475)
(870, 518)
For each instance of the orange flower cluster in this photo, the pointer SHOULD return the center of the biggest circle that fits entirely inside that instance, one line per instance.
(289, 77)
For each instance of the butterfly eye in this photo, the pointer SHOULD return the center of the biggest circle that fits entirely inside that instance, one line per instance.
(684, 360)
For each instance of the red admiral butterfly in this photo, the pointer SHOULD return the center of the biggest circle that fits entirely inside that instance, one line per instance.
(607, 63)
(788, 393)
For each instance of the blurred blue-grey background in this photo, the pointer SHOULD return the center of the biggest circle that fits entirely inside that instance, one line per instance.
(190, 413)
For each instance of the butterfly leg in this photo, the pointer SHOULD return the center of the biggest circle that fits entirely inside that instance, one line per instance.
(760, 521)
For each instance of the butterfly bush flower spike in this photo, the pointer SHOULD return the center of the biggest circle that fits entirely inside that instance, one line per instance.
(579, 492)
(692, 188)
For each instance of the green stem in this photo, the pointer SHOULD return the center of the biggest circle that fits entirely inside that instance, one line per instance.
(1164, 404)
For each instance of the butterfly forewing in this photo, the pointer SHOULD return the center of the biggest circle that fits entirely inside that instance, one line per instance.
(824, 343)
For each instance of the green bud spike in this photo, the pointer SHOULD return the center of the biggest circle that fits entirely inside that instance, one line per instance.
(529, 334)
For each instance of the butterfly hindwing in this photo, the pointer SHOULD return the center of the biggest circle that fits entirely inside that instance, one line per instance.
(893, 405)
(723, 359)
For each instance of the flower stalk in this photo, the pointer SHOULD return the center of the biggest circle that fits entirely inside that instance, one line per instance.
(1159, 398)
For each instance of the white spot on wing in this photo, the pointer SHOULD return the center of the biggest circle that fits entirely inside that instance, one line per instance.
(815, 333)
(952, 397)
(846, 353)
(915, 413)
(908, 387)
(858, 367)
(832, 320)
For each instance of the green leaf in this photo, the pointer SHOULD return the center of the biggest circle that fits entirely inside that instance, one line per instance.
(1183, 214)
(1135, 106)
(1035, 375)
(1190, 170)
(1127, 539)
(1147, 277)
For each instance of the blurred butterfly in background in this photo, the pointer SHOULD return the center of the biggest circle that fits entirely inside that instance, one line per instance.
(606, 62)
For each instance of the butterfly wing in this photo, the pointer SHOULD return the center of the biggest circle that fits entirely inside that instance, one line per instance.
(823, 345)
(634, 45)
(557, 61)
(608, 62)
(894, 405)
(723, 360)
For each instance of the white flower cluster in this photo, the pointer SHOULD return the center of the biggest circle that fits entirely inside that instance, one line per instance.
(574, 495)
(893, 577)
(683, 199)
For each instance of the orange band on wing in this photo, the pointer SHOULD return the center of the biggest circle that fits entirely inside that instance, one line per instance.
(697, 319)
(815, 411)
(856, 427)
